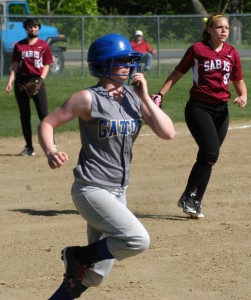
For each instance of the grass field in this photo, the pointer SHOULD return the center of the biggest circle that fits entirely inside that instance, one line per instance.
(62, 86)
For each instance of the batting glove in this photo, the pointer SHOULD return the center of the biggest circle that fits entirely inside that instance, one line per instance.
(157, 99)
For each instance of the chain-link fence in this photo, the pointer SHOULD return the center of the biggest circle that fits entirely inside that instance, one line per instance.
(170, 35)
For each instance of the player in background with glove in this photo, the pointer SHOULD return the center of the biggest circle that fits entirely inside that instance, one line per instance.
(31, 61)
(214, 64)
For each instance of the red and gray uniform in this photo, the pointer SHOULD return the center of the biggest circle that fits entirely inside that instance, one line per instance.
(212, 71)
(31, 58)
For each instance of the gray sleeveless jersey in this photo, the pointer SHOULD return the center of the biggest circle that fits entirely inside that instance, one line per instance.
(107, 139)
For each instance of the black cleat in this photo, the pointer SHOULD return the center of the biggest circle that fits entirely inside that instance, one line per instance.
(74, 272)
(191, 205)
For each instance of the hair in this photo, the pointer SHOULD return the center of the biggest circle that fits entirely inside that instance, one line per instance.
(31, 22)
(209, 23)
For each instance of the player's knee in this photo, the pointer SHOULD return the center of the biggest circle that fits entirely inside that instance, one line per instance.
(25, 116)
(145, 242)
(134, 241)
(139, 243)
(211, 157)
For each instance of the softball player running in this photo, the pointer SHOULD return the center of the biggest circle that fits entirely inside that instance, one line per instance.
(110, 117)
(214, 64)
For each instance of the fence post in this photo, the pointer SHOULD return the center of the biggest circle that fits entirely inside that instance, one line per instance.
(158, 43)
(1, 50)
(83, 46)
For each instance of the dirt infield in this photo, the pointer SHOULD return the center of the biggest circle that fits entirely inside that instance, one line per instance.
(188, 259)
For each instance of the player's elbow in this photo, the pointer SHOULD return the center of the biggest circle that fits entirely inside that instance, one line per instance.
(139, 244)
(171, 134)
(167, 133)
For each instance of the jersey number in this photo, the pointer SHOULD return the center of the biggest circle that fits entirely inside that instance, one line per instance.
(38, 63)
(226, 78)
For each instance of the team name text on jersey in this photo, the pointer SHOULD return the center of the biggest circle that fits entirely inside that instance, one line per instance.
(30, 53)
(113, 128)
(217, 64)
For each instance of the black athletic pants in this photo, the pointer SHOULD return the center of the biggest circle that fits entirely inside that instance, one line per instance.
(23, 101)
(208, 124)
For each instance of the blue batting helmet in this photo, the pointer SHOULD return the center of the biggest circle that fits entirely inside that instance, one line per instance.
(108, 48)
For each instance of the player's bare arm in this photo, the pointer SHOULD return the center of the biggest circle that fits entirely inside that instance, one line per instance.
(78, 105)
(159, 121)
(171, 80)
(241, 90)
(13, 72)
(45, 71)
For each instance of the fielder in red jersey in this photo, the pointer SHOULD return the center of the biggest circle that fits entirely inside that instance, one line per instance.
(212, 71)
(32, 57)
(214, 65)
(31, 60)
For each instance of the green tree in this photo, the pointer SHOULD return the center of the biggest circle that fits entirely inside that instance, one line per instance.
(172, 7)
(139, 7)
(63, 7)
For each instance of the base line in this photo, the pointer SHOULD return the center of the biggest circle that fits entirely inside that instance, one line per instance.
(230, 128)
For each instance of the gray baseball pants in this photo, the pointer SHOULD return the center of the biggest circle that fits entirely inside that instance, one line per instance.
(104, 209)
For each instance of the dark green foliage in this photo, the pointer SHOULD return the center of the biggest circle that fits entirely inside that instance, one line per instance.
(132, 7)
(170, 7)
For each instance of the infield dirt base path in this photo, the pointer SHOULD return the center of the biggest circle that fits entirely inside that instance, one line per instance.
(188, 259)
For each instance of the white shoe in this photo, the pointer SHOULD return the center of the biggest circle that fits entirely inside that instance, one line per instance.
(27, 152)
(198, 214)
